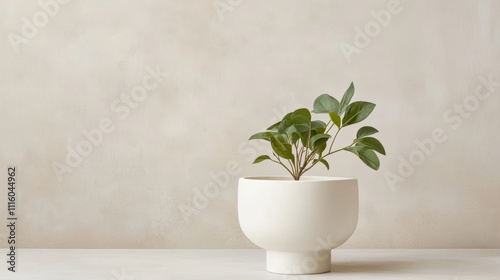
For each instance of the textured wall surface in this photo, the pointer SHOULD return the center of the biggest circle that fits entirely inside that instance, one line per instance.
(169, 91)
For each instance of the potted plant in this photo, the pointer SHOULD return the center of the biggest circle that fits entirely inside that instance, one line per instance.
(299, 219)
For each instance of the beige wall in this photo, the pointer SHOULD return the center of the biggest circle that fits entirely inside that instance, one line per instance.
(229, 75)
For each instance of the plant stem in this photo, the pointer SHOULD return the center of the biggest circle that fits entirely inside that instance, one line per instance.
(334, 137)
(292, 166)
(279, 161)
(299, 156)
(300, 166)
(326, 132)
(354, 142)
(306, 161)
(297, 160)
(303, 170)
(308, 138)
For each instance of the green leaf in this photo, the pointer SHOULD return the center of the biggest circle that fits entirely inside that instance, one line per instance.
(320, 130)
(283, 138)
(299, 130)
(302, 128)
(354, 150)
(261, 158)
(285, 123)
(295, 132)
(346, 98)
(367, 156)
(335, 119)
(318, 140)
(356, 112)
(318, 126)
(365, 131)
(274, 127)
(262, 135)
(324, 162)
(302, 112)
(301, 117)
(300, 120)
(326, 103)
(283, 150)
(372, 144)
(295, 137)
(320, 149)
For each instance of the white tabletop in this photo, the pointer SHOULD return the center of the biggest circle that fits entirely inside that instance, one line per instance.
(47, 264)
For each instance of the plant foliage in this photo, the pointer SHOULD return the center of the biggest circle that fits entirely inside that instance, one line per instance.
(299, 143)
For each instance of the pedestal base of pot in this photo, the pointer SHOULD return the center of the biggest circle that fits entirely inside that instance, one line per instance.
(298, 262)
(298, 223)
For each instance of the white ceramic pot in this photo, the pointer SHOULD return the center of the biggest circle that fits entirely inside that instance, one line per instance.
(298, 222)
